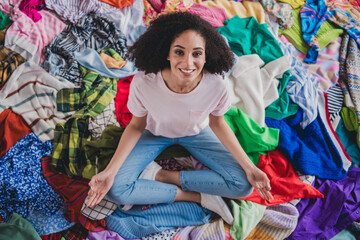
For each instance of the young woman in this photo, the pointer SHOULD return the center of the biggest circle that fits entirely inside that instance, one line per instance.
(179, 97)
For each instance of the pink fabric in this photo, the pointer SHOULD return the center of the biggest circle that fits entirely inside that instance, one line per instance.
(6, 6)
(31, 8)
(326, 69)
(154, 8)
(215, 16)
(29, 38)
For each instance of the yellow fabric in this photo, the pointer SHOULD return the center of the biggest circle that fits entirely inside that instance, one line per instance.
(294, 3)
(111, 62)
(242, 9)
(257, 234)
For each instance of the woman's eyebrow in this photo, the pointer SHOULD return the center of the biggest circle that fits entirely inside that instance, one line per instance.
(197, 48)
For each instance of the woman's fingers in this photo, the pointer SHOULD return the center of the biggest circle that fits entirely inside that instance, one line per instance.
(264, 192)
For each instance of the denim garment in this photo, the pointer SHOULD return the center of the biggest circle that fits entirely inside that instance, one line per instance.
(227, 178)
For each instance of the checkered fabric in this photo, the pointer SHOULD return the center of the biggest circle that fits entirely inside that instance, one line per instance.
(103, 209)
(90, 100)
(9, 60)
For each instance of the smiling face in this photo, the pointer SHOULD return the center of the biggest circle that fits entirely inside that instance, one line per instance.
(187, 59)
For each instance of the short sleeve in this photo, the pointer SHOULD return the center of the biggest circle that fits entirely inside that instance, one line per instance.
(135, 105)
(224, 102)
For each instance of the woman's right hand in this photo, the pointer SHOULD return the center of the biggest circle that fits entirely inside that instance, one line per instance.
(99, 184)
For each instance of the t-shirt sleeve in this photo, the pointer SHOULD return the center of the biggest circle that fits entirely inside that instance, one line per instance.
(135, 105)
(224, 102)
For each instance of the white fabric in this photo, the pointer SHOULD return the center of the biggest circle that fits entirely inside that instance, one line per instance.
(324, 115)
(31, 93)
(129, 20)
(171, 114)
(254, 85)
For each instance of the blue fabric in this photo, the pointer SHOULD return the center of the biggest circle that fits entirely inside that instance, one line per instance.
(90, 31)
(310, 150)
(23, 188)
(302, 85)
(313, 15)
(90, 59)
(136, 222)
(227, 178)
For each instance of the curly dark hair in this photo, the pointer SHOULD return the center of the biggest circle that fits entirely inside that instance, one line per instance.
(151, 50)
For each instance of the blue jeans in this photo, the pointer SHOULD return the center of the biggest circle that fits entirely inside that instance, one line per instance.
(226, 177)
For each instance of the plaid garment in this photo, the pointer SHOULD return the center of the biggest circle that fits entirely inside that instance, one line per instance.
(9, 60)
(76, 232)
(74, 192)
(90, 100)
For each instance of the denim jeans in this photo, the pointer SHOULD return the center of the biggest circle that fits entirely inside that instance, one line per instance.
(226, 177)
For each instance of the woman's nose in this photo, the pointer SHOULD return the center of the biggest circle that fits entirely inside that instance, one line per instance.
(188, 59)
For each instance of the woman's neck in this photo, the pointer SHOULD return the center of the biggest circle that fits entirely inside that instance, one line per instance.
(171, 82)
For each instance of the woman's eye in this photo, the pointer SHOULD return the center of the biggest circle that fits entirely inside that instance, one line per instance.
(197, 54)
(179, 52)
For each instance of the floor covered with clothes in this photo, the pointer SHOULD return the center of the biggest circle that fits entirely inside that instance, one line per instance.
(295, 91)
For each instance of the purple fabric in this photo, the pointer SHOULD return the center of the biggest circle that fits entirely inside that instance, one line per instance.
(323, 218)
(106, 235)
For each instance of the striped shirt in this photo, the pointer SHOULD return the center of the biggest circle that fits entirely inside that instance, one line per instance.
(29, 38)
(31, 93)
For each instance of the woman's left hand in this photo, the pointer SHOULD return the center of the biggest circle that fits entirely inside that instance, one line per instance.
(260, 182)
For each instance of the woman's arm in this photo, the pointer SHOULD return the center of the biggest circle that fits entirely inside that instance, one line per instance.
(256, 177)
(101, 183)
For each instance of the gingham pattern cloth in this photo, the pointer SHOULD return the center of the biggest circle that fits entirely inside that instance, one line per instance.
(103, 209)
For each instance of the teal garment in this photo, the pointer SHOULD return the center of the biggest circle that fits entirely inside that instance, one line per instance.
(344, 235)
(246, 36)
(4, 21)
(348, 140)
(255, 140)
(18, 228)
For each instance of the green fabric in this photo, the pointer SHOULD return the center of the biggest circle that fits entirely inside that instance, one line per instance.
(105, 147)
(90, 100)
(246, 36)
(18, 228)
(281, 107)
(4, 21)
(348, 115)
(246, 216)
(327, 32)
(348, 140)
(255, 140)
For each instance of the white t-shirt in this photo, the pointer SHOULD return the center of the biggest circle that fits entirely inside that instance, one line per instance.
(174, 115)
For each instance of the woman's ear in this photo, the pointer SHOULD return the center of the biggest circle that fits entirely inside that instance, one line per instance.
(168, 58)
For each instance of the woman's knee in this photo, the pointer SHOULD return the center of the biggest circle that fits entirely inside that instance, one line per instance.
(239, 189)
(120, 193)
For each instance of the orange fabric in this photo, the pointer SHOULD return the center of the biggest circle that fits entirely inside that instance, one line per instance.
(119, 3)
(12, 128)
(285, 184)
